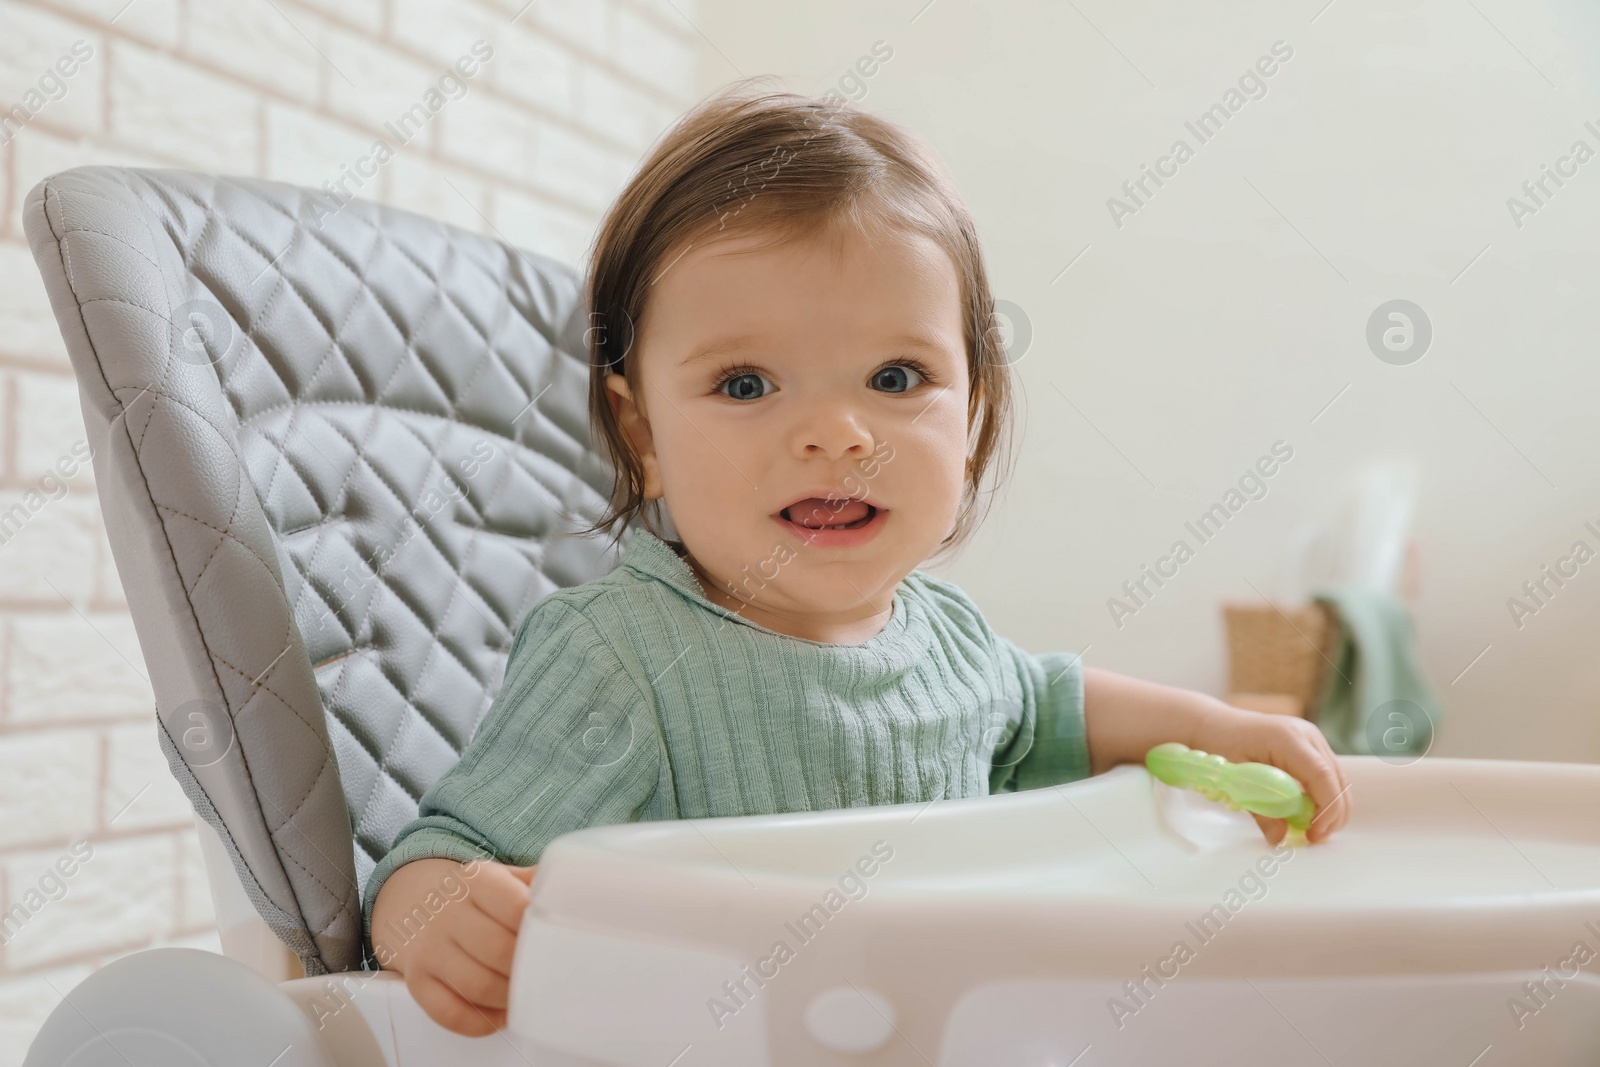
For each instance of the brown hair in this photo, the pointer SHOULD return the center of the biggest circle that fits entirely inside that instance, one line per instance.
(791, 165)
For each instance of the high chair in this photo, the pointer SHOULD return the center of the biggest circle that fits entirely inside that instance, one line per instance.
(341, 453)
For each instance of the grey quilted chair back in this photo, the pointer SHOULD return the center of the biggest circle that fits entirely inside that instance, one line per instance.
(340, 454)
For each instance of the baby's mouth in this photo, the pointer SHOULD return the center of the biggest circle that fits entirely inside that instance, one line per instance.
(816, 513)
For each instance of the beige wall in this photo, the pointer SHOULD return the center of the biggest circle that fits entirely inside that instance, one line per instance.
(545, 134)
(1230, 310)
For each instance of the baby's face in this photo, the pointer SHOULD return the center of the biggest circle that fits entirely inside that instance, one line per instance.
(805, 417)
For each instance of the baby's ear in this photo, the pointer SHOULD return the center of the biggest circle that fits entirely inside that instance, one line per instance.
(636, 429)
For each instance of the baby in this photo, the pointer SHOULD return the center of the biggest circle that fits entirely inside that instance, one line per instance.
(795, 366)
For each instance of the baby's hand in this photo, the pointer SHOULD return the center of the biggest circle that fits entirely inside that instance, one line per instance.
(455, 955)
(1291, 744)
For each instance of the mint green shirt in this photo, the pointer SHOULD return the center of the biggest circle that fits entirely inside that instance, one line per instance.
(633, 697)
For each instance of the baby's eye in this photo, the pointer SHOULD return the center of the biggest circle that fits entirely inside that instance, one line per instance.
(898, 378)
(747, 385)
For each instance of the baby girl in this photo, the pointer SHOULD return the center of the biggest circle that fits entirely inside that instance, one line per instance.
(797, 377)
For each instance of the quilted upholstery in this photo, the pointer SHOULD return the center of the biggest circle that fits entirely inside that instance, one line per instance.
(340, 456)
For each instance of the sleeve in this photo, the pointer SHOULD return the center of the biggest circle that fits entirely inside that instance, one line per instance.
(571, 740)
(1044, 741)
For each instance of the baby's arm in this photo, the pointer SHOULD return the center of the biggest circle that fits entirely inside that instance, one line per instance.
(569, 741)
(1071, 722)
(1126, 717)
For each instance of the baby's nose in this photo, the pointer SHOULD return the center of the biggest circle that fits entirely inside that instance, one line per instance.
(835, 433)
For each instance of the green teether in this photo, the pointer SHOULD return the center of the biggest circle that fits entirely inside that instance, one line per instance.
(1254, 787)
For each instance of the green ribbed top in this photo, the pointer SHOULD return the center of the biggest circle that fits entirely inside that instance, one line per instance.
(633, 697)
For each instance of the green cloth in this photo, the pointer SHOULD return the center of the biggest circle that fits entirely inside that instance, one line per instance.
(633, 697)
(1375, 700)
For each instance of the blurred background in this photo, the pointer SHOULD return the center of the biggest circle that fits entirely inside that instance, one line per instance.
(1167, 336)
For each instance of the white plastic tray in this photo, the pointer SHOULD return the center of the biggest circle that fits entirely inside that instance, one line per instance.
(1005, 930)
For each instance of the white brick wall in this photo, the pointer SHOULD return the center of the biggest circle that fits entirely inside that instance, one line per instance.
(33, 40)
(50, 785)
(66, 668)
(546, 133)
(169, 108)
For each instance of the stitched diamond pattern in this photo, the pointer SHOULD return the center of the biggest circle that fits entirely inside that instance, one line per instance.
(333, 488)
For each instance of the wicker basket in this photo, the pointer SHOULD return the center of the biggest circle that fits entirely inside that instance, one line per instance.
(1279, 650)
